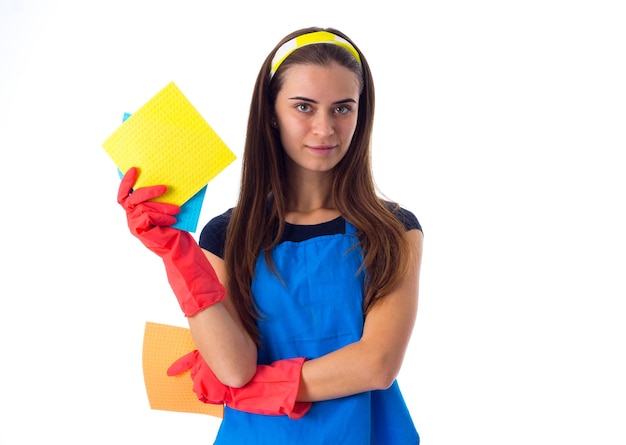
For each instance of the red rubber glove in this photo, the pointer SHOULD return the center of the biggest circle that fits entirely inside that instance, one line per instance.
(271, 392)
(189, 272)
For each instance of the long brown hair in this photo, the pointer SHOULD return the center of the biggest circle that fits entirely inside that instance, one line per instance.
(258, 220)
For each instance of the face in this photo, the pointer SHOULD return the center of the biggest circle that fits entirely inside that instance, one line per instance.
(316, 112)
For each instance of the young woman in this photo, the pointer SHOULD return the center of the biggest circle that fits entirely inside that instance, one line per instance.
(304, 310)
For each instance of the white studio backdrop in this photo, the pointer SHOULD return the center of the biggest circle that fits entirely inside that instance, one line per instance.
(499, 124)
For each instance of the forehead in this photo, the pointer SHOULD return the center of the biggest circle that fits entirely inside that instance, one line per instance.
(320, 80)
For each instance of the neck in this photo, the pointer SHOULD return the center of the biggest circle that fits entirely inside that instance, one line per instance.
(310, 200)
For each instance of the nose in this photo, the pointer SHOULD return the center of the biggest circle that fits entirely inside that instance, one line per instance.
(323, 124)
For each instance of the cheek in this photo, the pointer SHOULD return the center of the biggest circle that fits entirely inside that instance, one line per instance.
(288, 137)
(349, 131)
(291, 129)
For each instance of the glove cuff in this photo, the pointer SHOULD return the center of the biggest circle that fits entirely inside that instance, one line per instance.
(272, 391)
(191, 276)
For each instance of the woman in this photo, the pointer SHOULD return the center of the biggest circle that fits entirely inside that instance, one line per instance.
(304, 340)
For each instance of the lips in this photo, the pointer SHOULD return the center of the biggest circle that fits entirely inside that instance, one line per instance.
(321, 148)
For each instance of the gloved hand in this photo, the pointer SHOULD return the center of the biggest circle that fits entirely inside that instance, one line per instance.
(189, 272)
(271, 392)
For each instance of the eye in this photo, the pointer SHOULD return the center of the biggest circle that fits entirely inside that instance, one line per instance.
(303, 107)
(343, 109)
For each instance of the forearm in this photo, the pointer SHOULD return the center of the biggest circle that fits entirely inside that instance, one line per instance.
(196, 278)
(350, 370)
(224, 344)
(222, 339)
(375, 360)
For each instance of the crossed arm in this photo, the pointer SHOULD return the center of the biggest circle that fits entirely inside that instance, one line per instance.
(371, 363)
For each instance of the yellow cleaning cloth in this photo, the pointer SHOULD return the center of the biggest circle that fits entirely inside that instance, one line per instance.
(171, 144)
(162, 346)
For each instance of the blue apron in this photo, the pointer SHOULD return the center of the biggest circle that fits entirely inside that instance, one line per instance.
(316, 309)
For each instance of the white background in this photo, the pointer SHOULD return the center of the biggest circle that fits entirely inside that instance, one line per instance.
(499, 124)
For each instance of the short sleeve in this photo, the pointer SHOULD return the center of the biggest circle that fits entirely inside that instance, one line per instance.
(406, 217)
(213, 234)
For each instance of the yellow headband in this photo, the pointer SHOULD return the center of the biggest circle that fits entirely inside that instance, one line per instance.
(307, 39)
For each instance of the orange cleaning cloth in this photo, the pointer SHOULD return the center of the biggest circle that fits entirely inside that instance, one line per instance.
(163, 345)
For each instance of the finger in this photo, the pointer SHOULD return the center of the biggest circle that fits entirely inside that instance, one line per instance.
(143, 221)
(128, 181)
(144, 194)
(157, 219)
(162, 207)
(182, 364)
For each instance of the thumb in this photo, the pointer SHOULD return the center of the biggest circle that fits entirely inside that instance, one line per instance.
(182, 364)
(126, 186)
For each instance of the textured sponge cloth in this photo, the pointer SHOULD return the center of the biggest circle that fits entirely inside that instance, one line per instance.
(171, 144)
(162, 346)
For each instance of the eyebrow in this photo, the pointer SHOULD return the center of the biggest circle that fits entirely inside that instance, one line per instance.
(337, 102)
